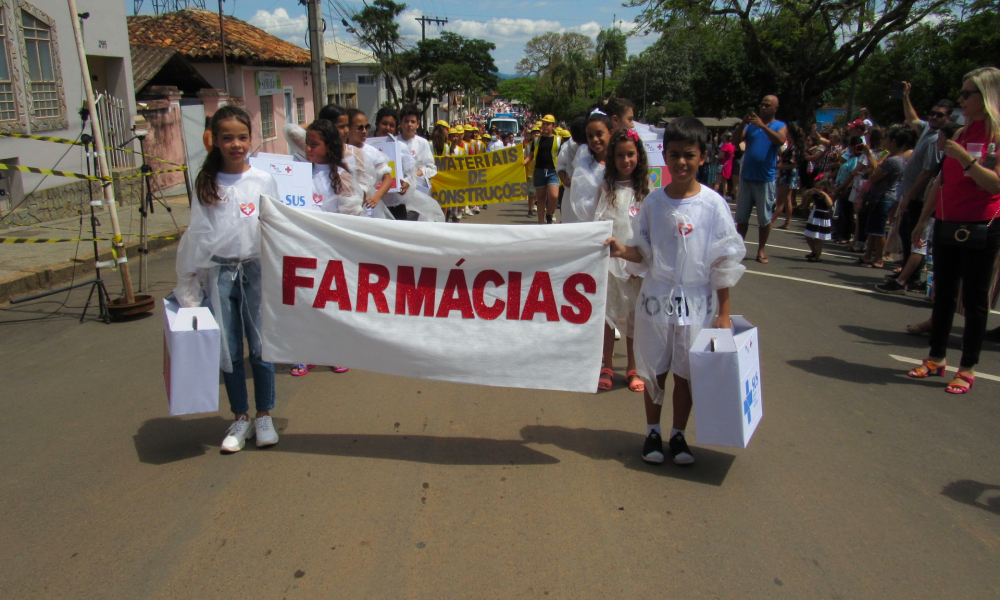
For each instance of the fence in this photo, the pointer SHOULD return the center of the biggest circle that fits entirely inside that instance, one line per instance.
(115, 124)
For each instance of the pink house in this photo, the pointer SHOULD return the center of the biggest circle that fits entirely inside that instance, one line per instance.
(267, 76)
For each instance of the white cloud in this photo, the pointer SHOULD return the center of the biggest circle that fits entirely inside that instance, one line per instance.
(279, 24)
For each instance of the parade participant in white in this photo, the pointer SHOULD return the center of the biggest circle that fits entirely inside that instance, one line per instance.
(688, 239)
(580, 203)
(219, 260)
(626, 183)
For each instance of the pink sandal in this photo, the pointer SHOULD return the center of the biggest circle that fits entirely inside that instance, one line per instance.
(340, 369)
(300, 370)
(604, 383)
(957, 388)
(636, 385)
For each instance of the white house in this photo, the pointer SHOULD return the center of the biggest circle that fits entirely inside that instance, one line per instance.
(41, 93)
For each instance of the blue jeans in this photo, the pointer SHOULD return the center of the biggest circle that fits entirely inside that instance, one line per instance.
(240, 297)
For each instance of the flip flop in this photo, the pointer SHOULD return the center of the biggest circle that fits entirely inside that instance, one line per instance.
(918, 329)
(635, 385)
(604, 383)
(340, 369)
(762, 259)
(300, 370)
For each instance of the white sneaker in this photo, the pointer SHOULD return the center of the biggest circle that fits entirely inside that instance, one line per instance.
(239, 432)
(618, 334)
(467, 212)
(266, 435)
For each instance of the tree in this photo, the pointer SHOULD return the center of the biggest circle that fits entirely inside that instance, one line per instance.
(805, 47)
(434, 61)
(611, 51)
(376, 29)
(521, 89)
(933, 57)
(543, 52)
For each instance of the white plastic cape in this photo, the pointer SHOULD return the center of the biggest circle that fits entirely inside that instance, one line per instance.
(222, 234)
(415, 199)
(566, 159)
(295, 135)
(619, 207)
(580, 202)
(692, 250)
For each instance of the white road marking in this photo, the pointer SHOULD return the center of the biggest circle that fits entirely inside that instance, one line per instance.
(825, 252)
(833, 285)
(914, 361)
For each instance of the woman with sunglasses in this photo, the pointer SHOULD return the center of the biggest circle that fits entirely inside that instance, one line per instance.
(965, 199)
(382, 175)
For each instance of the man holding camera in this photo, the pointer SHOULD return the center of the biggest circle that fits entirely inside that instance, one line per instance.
(764, 136)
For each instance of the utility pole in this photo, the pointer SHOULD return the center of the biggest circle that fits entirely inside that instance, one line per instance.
(316, 27)
(423, 37)
(222, 45)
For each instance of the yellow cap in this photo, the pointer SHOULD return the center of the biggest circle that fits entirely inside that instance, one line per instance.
(487, 136)
(536, 127)
(469, 127)
(443, 123)
(455, 130)
(548, 119)
(564, 133)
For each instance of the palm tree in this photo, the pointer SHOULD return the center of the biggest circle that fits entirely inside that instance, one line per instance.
(612, 51)
(575, 71)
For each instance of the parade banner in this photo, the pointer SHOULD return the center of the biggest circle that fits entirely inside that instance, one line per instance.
(500, 305)
(293, 178)
(488, 178)
(388, 146)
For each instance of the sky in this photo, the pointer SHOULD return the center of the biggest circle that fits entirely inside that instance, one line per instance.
(507, 23)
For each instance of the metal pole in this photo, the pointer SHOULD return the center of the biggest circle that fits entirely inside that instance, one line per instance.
(222, 45)
(102, 156)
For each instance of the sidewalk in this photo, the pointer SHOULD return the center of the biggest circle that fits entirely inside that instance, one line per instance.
(26, 268)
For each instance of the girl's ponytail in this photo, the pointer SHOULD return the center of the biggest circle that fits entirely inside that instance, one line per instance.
(206, 185)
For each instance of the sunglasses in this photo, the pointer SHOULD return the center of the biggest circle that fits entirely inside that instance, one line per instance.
(365, 127)
(966, 93)
(938, 115)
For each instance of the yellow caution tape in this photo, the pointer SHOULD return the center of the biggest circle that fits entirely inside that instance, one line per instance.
(151, 173)
(6, 167)
(56, 140)
(8, 240)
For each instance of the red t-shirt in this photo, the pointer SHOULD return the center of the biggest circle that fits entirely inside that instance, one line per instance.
(962, 199)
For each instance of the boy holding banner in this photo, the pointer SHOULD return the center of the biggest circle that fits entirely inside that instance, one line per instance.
(687, 237)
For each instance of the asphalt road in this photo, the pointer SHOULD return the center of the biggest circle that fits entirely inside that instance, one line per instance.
(859, 482)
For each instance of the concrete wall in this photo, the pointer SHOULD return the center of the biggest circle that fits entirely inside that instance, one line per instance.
(70, 200)
(106, 43)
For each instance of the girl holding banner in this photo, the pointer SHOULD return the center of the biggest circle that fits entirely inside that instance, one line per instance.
(218, 260)
(626, 183)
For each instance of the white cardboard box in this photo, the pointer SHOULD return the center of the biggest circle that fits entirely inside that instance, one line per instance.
(190, 358)
(726, 384)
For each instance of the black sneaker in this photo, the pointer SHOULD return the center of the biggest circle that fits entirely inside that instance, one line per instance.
(919, 286)
(891, 286)
(652, 450)
(680, 451)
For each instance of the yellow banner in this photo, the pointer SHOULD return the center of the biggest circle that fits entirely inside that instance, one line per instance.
(489, 178)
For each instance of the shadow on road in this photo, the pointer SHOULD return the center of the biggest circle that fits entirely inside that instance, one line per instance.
(170, 439)
(624, 446)
(886, 337)
(837, 368)
(973, 493)
(416, 448)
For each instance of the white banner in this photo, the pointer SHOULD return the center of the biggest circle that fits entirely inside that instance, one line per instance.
(503, 305)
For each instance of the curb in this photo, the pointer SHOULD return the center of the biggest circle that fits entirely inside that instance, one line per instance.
(37, 280)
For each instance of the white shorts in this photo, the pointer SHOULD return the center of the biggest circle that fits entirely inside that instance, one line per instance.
(663, 347)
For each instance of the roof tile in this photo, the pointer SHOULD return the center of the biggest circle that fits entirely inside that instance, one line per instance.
(195, 34)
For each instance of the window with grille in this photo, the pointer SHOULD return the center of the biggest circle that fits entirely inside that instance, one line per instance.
(267, 117)
(8, 110)
(300, 110)
(366, 80)
(42, 84)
